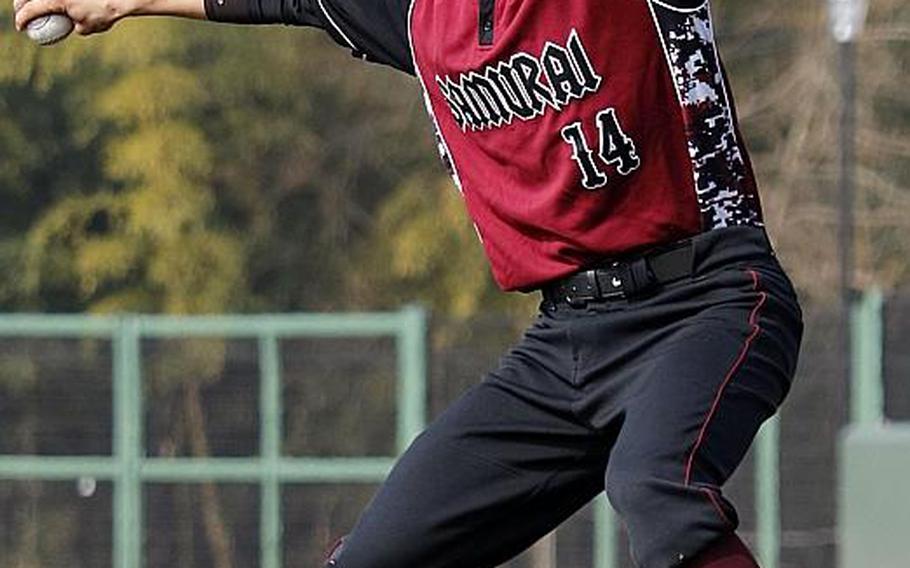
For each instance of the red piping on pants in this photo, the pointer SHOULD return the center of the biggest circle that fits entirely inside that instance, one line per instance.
(756, 329)
(717, 507)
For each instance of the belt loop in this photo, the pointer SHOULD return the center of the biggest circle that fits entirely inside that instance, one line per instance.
(641, 277)
(674, 263)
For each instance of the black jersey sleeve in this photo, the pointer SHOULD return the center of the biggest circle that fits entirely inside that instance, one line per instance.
(375, 30)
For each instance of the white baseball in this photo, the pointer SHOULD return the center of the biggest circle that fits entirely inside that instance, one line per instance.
(50, 29)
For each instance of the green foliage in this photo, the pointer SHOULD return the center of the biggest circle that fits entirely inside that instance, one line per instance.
(424, 247)
(141, 234)
(151, 94)
(221, 171)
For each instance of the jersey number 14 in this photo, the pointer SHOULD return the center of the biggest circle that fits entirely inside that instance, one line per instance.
(615, 149)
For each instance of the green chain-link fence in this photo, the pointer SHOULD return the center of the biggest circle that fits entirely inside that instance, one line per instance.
(128, 465)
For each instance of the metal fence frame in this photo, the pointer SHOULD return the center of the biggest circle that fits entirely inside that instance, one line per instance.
(129, 468)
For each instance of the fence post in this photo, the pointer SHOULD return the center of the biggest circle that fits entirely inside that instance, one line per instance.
(767, 493)
(867, 386)
(604, 533)
(270, 421)
(128, 446)
(412, 375)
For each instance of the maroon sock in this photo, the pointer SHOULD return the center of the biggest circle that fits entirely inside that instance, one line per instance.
(728, 552)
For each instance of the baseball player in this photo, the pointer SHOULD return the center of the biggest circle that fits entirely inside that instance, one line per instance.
(596, 146)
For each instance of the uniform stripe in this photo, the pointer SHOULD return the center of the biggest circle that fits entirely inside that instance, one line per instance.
(429, 105)
(678, 9)
(740, 359)
(720, 511)
(669, 60)
(717, 155)
(335, 25)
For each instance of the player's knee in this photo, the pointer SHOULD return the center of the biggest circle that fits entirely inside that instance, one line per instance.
(358, 552)
(666, 519)
(633, 493)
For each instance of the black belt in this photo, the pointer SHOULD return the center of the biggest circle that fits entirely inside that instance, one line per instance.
(629, 278)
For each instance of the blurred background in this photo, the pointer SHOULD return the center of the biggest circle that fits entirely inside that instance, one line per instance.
(180, 168)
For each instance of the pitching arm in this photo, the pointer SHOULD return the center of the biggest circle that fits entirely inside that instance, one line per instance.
(94, 16)
(375, 30)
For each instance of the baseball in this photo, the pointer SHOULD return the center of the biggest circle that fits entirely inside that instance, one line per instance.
(50, 29)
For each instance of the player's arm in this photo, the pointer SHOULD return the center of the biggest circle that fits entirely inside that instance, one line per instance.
(372, 29)
(93, 16)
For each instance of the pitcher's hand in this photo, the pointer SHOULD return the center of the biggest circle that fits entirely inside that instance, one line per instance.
(89, 16)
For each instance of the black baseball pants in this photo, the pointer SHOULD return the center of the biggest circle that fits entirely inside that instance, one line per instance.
(654, 400)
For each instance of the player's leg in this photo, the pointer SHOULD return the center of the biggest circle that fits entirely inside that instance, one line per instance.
(701, 400)
(727, 552)
(498, 470)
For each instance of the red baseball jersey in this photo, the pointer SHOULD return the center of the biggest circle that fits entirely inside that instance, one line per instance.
(576, 131)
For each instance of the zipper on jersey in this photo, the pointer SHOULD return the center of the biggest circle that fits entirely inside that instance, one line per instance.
(486, 21)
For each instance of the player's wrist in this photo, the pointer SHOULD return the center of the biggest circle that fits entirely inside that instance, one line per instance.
(181, 8)
(136, 7)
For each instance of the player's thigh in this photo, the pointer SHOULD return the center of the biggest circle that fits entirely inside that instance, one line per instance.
(700, 399)
(740, 380)
(488, 478)
(700, 404)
